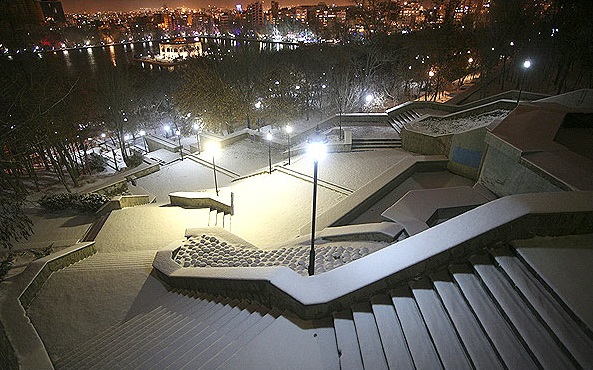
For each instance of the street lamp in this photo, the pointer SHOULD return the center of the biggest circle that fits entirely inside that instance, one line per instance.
(197, 129)
(288, 131)
(526, 66)
(258, 106)
(269, 138)
(321, 100)
(368, 98)
(213, 147)
(143, 134)
(316, 150)
(178, 133)
(167, 128)
(430, 75)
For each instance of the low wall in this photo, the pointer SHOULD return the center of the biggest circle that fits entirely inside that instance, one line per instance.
(358, 202)
(453, 241)
(16, 296)
(201, 200)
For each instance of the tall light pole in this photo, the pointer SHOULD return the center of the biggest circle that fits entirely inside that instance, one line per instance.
(213, 148)
(178, 133)
(269, 138)
(197, 129)
(257, 106)
(167, 128)
(526, 66)
(143, 135)
(321, 100)
(316, 150)
(288, 131)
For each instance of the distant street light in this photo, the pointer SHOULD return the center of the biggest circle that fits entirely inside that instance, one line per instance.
(269, 139)
(288, 131)
(316, 149)
(526, 66)
(167, 128)
(213, 148)
(257, 121)
(368, 98)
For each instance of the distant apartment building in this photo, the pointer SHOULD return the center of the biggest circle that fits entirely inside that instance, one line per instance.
(19, 20)
(255, 14)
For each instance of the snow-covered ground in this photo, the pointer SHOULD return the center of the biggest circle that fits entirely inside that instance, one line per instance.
(440, 126)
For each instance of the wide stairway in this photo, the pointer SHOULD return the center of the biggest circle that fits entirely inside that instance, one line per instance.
(491, 313)
(398, 121)
(374, 144)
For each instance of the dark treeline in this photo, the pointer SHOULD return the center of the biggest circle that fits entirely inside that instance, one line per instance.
(47, 113)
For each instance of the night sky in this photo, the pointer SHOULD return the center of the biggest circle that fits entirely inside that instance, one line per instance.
(74, 6)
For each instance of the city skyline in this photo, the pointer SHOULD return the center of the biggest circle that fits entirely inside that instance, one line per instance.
(74, 6)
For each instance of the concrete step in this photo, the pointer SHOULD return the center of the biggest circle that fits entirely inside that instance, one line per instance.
(218, 359)
(130, 335)
(501, 334)
(570, 333)
(392, 336)
(141, 346)
(236, 316)
(111, 334)
(186, 340)
(417, 336)
(443, 334)
(113, 261)
(248, 327)
(481, 352)
(347, 341)
(538, 337)
(369, 339)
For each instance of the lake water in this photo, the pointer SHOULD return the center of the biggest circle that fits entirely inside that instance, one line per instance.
(88, 60)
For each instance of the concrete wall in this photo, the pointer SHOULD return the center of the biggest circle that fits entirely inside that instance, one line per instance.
(421, 143)
(504, 172)
(466, 152)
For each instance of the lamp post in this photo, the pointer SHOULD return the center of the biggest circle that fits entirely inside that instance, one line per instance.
(257, 122)
(167, 128)
(316, 150)
(288, 131)
(143, 135)
(213, 148)
(430, 76)
(321, 101)
(178, 133)
(197, 129)
(269, 138)
(526, 66)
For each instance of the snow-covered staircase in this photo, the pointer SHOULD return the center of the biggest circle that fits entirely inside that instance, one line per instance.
(398, 120)
(185, 329)
(374, 144)
(492, 313)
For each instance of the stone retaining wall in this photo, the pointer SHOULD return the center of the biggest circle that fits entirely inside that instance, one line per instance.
(500, 221)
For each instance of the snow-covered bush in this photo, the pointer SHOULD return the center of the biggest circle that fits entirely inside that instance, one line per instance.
(82, 202)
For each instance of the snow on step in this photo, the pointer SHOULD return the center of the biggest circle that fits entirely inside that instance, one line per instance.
(444, 336)
(419, 342)
(289, 343)
(510, 348)
(251, 316)
(238, 343)
(160, 337)
(77, 358)
(152, 349)
(113, 261)
(539, 338)
(187, 340)
(562, 324)
(392, 336)
(132, 337)
(475, 341)
(348, 347)
(369, 340)
(237, 315)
